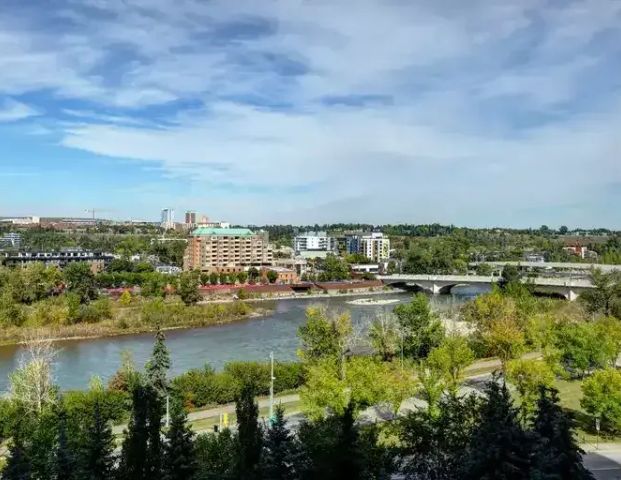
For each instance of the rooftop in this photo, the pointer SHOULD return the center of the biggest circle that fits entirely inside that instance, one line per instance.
(225, 232)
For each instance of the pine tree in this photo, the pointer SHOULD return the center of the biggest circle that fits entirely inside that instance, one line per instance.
(157, 367)
(17, 463)
(249, 433)
(278, 449)
(141, 451)
(97, 460)
(64, 463)
(556, 455)
(499, 447)
(179, 452)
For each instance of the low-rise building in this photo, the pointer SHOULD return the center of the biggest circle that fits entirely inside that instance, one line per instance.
(10, 240)
(227, 250)
(286, 276)
(361, 268)
(96, 260)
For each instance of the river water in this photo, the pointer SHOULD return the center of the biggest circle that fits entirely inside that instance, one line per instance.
(253, 339)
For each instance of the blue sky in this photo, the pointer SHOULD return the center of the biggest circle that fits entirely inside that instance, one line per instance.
(473, 113)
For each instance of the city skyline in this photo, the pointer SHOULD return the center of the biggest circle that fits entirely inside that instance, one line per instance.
(303, 113)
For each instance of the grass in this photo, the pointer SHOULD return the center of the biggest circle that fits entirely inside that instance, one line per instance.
(570, 393)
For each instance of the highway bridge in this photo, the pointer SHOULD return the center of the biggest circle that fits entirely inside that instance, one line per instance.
(436, 284)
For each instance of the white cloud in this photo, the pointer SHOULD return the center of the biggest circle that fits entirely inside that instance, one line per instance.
(11, 111)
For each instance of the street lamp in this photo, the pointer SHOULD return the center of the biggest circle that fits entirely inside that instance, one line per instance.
(272, 378)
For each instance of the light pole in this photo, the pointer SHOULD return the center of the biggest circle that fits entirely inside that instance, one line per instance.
(167, 410)
(272, 378)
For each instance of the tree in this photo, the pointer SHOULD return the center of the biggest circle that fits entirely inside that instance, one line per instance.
(188, 287)
(224, 278)
(272, 276)
(213, 278)
(125, 299)
(451, 358)
(484, 269)
(253, 275)
(505, 340)
(602, 398)
(563, 230)
(17, 463)
(158, 365)
(421, 329)
(385, 336)
(510, 274)
(81, 281)
(556, 453)
(279, 449)
(97, 447)
(141, 450)
(179, 453)
(31, 384)
(529, 376)
(324, 336)
(605, 298)
(499, 447)
(431, 383)
(217, 454)
(434, 444)
(242, 277)
(249, 433)
(64, 461)
(582, 349)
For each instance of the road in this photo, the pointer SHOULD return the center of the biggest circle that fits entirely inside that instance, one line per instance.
(604, 462)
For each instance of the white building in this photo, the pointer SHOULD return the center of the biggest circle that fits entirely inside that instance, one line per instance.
(168, 218)
(375, 247)
(314, 242)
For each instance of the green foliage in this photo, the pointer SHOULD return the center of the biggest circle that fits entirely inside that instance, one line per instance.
(97, 446)
(334, 268)
(556, 453)
(278, 459)
(242, 277)
(484, 269)
(158, 365)
(18, 465)
(605, 298)
(529, 376)
(179, 455)
(81, 281)
(272, 276)
(385, 336)
(216, 455)
(499, 447)
(323, 335)
(187, 287)
(421, 329)
(451, 358)
(249, 434)
(582, 349)
(602, 398)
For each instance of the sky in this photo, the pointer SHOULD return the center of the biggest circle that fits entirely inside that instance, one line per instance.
(478, 113)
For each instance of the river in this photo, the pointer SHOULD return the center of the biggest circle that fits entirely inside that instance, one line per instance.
(252, 339)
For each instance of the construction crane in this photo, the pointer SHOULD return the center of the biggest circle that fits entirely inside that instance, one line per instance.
(93, 211)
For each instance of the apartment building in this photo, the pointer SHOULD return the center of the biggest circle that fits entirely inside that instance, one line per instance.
(96, 260)
(227, 250)
(314, 242)
(375, 247)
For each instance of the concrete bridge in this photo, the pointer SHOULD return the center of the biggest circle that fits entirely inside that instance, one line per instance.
(436, 284)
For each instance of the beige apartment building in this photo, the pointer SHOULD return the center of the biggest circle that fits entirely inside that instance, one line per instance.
(226, 250)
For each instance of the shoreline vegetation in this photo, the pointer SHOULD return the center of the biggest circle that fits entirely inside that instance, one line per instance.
(144, 316)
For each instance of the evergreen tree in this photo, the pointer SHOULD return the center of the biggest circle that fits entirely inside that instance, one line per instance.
(17, 463)
(556, 454)
(499, 448)
(64, 462)
(97, 460)
(157, 367)
(141, 451)
(179, 452)
(278, 449)
(249, 433)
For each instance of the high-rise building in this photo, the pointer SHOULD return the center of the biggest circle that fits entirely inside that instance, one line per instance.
(375, 247)
(213, 249)
(168, 218)
(314, 242)
(190, 218)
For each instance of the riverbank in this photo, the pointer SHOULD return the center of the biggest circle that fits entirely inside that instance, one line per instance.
(144, 317)
(306, 296)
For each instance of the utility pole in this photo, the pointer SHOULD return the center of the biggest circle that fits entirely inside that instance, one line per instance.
(167, 410)
(272, 378)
